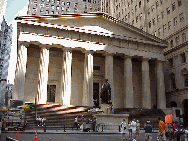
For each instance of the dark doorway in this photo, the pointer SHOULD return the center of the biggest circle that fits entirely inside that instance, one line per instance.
(185, 114)
(96, 94)
(51, 89)
(173, 104)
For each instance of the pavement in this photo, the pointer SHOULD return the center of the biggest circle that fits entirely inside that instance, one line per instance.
(69, 132)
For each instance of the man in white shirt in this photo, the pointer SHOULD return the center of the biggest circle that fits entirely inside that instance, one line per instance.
(133, 127)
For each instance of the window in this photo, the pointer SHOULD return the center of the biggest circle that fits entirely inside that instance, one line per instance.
(89, 1)
(179, 2)
(153, 21)
(168, 10)
(171, 62)
(96, 67)
(154, 33)
(42, 0)
(34, 10)
(149, 11)
(47, 5)
(67, 9)
(141, 27)
(129, 15)
(158, 18)
(52, 6)
(58, 1)
(52, 1)
(42, 5)
(35, 4)
(177, 40)
(173, 84)
(173, 6)
(125, 17)
(129, 4)
(169, 25)
(57, 13)
(68, 3)
(183, 37)
(157, 4)
(94, 1)
(152, 7)
(162, 14)
(161, 1)
(164, 28)
(131, 1)
(140, 4)
(48, 0)
(181, 17)
(63, 3)
(52, 12)
(150, 24)
(186, 80)
(140, 16)
(41, 11)
(147, 0)
(57, 8)
(75, 4)
(133, 22)
(137, 19)
(159, 31)
(132, 11)
(85, 6)
(122, 11)
(135, 8)
(183, 58)
(175, 21)
(171, 43)
(46, 12)
(62, 8)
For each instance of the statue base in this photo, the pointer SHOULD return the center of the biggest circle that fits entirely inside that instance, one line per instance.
(110, 121)
(106, 108)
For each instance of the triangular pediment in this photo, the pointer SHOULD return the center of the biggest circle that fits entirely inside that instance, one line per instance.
(98, 23)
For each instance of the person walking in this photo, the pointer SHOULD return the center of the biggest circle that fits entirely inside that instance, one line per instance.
(148, 131)
(75, 123)
(130, 130)
(133, 127)
(161, 133)
(137, 129)
(123, 129)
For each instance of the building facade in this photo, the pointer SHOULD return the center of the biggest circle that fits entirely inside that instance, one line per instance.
(59, 7)
(69, 58)
(6, 41)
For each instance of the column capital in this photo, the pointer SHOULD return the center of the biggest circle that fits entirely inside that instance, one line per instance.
(47, 46)
(88, 52)
(127, 57)
(145, 59)
(26, 44)
(109, 54)
(67, 49)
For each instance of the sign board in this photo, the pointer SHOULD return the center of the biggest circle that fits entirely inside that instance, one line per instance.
(168, 118)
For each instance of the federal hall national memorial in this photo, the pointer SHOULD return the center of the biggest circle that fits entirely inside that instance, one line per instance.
(65, 59)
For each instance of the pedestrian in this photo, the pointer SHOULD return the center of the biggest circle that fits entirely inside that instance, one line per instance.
(137, 129)
(161, 133)
(148, 131)
(43, 120)
(37, 120)
(123, 129)
(75, 123)
(167, 131)
(130, 130)
(133, 127)
(95, 123)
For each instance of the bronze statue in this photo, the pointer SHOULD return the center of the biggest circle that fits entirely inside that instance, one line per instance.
(105, 93)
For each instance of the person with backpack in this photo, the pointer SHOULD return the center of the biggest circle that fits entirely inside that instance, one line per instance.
(148, 131)
(161, 133)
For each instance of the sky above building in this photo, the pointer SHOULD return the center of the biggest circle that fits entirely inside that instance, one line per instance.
(13, 8)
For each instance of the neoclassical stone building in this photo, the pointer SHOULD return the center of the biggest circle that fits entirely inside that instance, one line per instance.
(66, 58)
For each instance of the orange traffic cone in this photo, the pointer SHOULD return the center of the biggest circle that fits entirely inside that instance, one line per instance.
(17, 135)
(35, 139)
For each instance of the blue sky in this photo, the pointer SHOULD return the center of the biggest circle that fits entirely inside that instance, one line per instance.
(15, 8)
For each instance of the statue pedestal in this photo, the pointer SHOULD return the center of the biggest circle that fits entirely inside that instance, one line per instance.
(110, 121)
(106, 108)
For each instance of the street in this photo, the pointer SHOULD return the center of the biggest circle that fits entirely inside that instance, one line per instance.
(71, 137)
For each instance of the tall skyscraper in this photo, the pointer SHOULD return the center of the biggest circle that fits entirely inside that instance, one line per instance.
(5, 48)
(3, 4)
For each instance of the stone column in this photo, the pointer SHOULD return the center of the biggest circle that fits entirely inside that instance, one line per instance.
(66, 77)
(20, 74)
(161, 98)
(43, 74)
(88, 80)
(128, 82)
(109, 73)
(146, 94)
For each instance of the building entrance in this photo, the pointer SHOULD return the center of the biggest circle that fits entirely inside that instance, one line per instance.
(96, 94)
(51, 89)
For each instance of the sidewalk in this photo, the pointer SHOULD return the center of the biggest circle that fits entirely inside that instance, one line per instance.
(69, 132)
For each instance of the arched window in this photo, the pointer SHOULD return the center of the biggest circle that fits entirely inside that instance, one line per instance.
(185, 76)
(173, 83)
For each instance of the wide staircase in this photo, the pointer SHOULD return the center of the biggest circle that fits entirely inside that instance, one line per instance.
(143, 115)
(58, 117)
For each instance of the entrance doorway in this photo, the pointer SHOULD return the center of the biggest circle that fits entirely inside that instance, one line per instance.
(51, 89)
(185, 110)
(96, 94)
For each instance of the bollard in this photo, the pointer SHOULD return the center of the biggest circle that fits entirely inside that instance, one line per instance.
(17, 135)
(44, 127)
(64, 128)
(35, 139)
(119, 129)
(102, 128)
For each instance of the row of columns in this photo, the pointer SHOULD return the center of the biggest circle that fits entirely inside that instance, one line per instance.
(88, 78)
